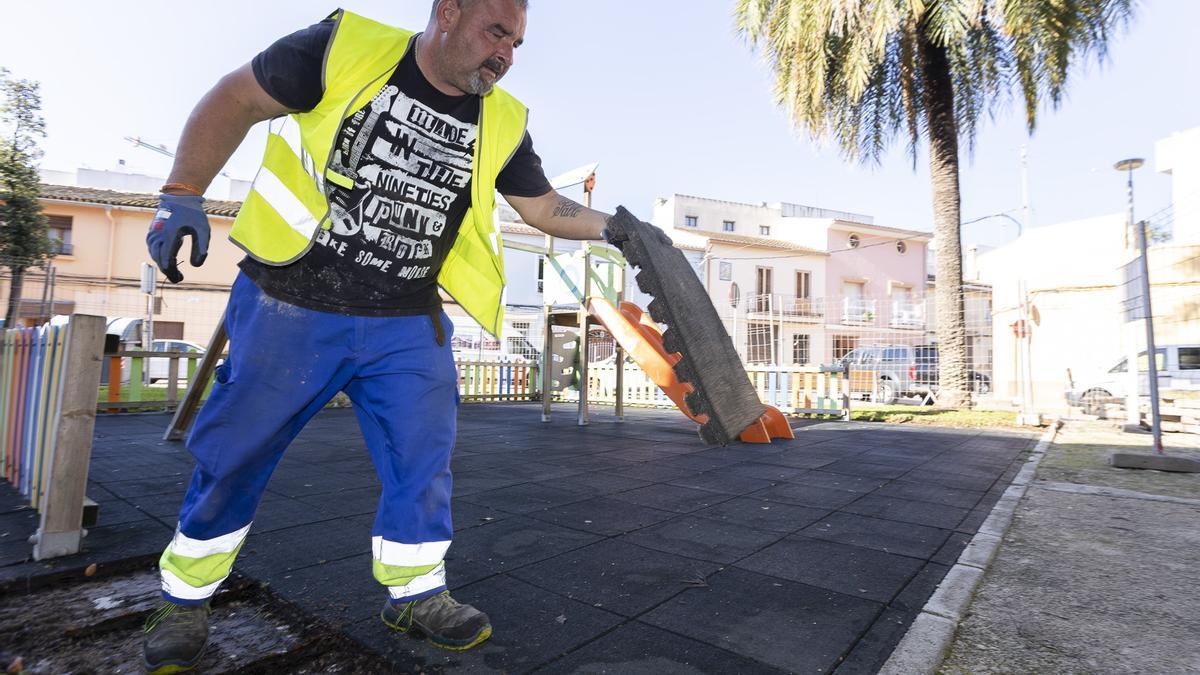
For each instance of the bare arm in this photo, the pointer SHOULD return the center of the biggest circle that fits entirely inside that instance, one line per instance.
(559, 216)
(218, 125)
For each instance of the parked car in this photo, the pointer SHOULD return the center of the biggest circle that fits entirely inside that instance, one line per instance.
(158, 368)
(888, 372)
(1178, 367)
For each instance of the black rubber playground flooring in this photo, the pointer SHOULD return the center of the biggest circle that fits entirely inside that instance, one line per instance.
(617, 547)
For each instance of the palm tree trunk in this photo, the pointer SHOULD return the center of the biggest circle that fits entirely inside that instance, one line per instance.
(943, 164)
(15, 288)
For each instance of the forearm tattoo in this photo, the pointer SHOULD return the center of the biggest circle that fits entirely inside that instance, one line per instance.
(567, 208)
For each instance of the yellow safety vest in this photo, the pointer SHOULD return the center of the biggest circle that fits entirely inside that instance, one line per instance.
(287, 204)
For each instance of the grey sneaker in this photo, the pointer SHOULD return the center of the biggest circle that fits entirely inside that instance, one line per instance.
(174, 637)
(444, 621)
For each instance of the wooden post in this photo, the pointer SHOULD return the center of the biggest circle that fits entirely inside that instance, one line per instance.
(185, 414)
(75, 420)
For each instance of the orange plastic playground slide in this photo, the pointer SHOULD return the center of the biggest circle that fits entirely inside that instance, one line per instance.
(641, 339)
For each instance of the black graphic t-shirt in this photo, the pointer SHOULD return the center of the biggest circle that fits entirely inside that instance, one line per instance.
(410, 153)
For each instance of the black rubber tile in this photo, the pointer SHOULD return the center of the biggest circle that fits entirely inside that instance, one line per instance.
(171, 483)
(276, 513)
(530, 627)
(651, 471)
(524, 498)
(671, 498)
(305, 545)
(807, 495)
(948, 479)
(803, 458)
(936, 494)
(340, 593)
(344, 503)
(839, 481)
(772, 472)
(604, 516)
(907, 511)
(127, 540)
(504, 545)
(526, 470)
(855, 467)
(703, 539)
(918, 590)
(794, 627)
(720, 481)
(165, 506)
(472, 482)
(971, 522)
(697, 462)
(918, 541)
(617, 576)
(855, 571)
(467, 515)
(596, 484)
(949, 552)
(762, 515)
(640, 649)
(307, 483)
(874, 649)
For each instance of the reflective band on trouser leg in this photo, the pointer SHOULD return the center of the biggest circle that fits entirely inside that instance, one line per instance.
(409, 570)
(193, 569)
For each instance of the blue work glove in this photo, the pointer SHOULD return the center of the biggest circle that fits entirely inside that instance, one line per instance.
(178, 216)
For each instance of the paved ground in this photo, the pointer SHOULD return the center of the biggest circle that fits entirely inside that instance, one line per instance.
(613, 548)
(1097, 573)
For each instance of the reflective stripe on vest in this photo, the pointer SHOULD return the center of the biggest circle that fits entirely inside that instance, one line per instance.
(287, 203)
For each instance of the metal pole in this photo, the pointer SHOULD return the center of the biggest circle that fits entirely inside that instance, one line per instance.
(1133, 418)
(1155, 423)
(583, 335)
(548, 338)
(45, 290)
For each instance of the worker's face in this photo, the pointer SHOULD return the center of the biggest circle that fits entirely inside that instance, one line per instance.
(479, 42)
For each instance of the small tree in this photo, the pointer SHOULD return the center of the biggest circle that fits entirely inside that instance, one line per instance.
(23, 239)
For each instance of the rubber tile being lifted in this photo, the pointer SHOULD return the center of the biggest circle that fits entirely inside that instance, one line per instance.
(710, 363)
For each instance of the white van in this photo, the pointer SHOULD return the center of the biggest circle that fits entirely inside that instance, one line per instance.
(1178, 368)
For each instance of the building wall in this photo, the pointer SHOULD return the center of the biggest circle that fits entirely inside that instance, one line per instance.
(1179, 156)
(875, 261)
(1075, 318)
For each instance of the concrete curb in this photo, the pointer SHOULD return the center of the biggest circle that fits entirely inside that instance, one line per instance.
(925, 644)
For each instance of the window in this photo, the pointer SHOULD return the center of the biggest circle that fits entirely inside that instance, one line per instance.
(800, 351)
(853, 241)
(762, 288)
(762, 343)
(727, 225)
(895, 354)
(843, 345)
(803, 285)
(541, 277)
(58, 228)
(1160, 358)
(1189, 358)
(901, 247)
(691, 221)
(764, 230)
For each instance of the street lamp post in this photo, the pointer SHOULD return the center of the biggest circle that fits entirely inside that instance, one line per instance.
(1132, 402)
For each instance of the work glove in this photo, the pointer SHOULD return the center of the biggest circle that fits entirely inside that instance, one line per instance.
(178, 216)
(622, 226)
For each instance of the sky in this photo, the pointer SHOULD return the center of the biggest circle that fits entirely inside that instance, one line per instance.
(662, 93)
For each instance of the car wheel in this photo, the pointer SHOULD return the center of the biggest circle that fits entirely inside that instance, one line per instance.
(1093, 401)
(885, 393)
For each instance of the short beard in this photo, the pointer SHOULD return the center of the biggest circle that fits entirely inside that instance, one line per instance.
(476, 85)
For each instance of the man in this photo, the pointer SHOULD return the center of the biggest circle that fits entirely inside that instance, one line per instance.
(378, 185)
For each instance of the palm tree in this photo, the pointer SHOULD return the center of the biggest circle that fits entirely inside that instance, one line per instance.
(861, 72)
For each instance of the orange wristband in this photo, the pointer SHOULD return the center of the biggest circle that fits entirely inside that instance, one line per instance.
(186, 187)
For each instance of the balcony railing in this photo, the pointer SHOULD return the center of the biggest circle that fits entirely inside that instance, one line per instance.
(907, 314)
(805, 309)
(858, 310)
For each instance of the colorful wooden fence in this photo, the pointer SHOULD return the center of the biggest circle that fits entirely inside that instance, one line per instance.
(31, 380)
(794, 390)
(127, 374)
(498, 381)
